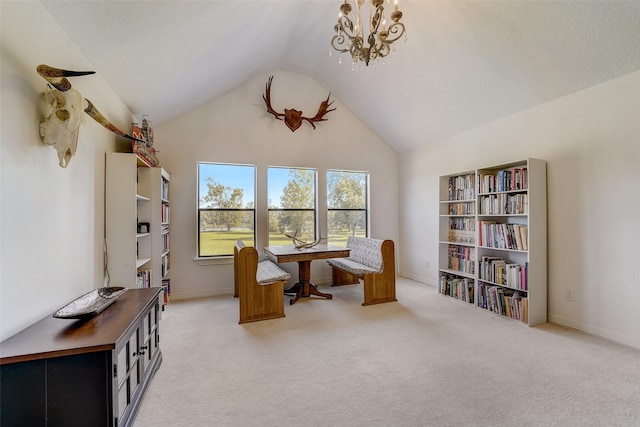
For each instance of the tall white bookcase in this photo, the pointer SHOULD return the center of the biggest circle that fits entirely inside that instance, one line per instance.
(137, 222)
(493, 239)
(155, 182)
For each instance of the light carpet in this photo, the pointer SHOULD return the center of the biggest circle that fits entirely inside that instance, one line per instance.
(425, 360)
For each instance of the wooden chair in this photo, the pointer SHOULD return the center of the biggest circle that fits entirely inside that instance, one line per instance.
(258, 285)
(376, 268)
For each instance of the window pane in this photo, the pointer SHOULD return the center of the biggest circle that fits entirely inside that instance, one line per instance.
(226, 200)
(347, 205)
(281, 222)
(346, 190)
(343, 224)
(292, 204)
(291, 188)
(226, 186)
(217, 240)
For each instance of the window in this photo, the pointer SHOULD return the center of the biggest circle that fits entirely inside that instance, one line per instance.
(347, 205)
(226, 207)
(292, 204)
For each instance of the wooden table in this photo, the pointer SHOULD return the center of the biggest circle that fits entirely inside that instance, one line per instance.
(288, 253)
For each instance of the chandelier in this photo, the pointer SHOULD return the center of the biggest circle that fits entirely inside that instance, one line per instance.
(363, 48)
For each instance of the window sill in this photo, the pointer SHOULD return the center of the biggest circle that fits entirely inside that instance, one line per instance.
(215, 261)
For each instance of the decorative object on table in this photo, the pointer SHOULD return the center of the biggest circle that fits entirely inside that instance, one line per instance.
(143, 143)
(350, 36)
(293, 118)
(91, 303)
(301, 244)
(63, 115)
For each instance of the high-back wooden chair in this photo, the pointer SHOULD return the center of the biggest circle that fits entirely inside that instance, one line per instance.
(258, 285)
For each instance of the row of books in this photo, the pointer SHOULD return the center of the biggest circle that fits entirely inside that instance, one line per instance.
(457, 287)
(503, 236)
(498, 271)
(164, 190)
(165, 265)
(166, 289)
(166, 211)
(504, 203)
(165, 240)
(506, 302)
(462, 187)
(462, 208)
(504, 180)
(462, 230)
(461, 258)
(143, 279)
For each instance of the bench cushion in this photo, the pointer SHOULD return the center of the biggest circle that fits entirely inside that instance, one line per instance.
(366, 251)
(352, 267)
(268, 272)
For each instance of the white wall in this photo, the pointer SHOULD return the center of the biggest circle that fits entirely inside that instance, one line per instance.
(236, 128)
(51, 219)
(591, 141)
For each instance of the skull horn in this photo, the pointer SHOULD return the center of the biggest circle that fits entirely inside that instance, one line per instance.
(58, 77)
(93, 112)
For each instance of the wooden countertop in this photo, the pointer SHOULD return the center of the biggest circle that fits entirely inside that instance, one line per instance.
(53, 337)
(288, 253)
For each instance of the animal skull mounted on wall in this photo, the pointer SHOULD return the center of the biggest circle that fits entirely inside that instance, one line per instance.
(60, 127)
(63, 116)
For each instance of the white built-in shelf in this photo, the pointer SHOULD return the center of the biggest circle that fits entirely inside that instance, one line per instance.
(512, 268)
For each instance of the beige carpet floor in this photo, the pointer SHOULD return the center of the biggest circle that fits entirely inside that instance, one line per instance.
(425, 360)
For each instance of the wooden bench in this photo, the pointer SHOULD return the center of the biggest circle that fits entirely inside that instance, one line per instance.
(371, 260)
(259, 285)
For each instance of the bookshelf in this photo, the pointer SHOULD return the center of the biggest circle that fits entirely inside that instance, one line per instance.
(155, 181)
(493, 239)
(457, 236)
(137, 223)
(128, 203)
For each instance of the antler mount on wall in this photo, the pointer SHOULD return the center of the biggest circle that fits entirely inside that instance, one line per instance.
(292, 117)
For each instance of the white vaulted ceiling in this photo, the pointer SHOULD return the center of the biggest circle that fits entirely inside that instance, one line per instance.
(466, 62)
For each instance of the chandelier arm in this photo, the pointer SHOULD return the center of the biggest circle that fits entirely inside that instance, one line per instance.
(337, 41)
(384, 50)
(376, 19)
(396, 27)
(346, 25)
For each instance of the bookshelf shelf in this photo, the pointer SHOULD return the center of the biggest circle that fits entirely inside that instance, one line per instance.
(142, 261)
(493, 244)
(136, 194)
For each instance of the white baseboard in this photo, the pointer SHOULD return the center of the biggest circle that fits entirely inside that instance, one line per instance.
(602, 333)
(418, 278)
(202, 294)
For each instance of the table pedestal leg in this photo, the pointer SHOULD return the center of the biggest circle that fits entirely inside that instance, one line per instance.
(304, 288)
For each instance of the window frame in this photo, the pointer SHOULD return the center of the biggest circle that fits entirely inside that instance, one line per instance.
(315, 200)
(200, 256)
(366, 209)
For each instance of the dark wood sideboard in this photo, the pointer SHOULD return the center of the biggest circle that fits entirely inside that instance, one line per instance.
(87, 372)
